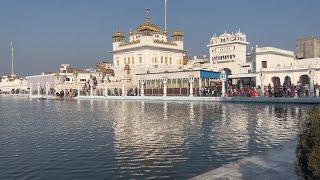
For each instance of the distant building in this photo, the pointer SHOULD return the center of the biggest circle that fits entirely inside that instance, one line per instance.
(228, 52)
(105, 68)
(271, 58)
(12, 85)
(308, 48)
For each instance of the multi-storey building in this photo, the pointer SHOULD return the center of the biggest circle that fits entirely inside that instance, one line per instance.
(148, 49)
(228, 52)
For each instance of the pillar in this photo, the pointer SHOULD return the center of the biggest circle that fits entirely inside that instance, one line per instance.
(142, 87)
(223, 78)
(200, 86)
(47, 89)
(123, 90)
(91, 89)
(78, 90)
(30, 90)
(165, 86)
(181, 85)
(191, 81)
(38, 88)
(152, 86)
(106, 90)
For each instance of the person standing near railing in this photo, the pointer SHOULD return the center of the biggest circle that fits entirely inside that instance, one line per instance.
(269, 90)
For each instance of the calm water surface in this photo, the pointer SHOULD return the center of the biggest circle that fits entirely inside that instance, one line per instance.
(132, 139)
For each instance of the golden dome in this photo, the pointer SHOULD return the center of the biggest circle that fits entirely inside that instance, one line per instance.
(177, 33)
(148, 26)
(118, 34)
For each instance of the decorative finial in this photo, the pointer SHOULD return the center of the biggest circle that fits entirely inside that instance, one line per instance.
(148, 17)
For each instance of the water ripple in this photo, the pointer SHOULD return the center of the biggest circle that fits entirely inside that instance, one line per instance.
(135, 140)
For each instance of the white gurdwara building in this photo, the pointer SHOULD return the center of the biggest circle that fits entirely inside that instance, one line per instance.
(147, 50)
(229, 49)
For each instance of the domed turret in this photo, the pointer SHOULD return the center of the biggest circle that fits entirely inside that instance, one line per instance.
(118, 37)
(177, 35)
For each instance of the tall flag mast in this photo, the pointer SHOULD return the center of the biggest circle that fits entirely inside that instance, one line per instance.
(11, 52)
(165, 15)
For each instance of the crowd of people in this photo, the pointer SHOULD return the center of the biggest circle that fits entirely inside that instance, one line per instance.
(287, 91)
(292, 90)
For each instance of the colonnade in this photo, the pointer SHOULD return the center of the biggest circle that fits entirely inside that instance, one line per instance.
(47, 89)
(306, 77)
(177, 86)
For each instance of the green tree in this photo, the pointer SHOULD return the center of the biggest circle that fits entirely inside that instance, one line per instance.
(308, 150)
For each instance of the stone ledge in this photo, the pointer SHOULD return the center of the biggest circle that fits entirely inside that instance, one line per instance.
(208, 99)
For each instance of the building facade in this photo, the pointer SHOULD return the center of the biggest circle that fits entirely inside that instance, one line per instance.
(308, 48)
(228, 52)
(147, 49)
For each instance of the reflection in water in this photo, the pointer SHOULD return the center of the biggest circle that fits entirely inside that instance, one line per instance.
(127, 139)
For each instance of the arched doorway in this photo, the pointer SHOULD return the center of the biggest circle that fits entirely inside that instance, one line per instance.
(304, 81)
(227, 71)
(276, 86)
(287, 81)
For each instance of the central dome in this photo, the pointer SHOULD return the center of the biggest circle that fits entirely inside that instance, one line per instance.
(148, 28)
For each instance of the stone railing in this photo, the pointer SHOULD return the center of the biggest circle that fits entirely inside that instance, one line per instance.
(130, 43)
(164, 42)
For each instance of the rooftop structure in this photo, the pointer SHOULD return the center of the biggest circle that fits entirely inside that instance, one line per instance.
(228, 51)
(308, 48)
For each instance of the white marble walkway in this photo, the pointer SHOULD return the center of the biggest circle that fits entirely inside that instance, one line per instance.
(207, 99)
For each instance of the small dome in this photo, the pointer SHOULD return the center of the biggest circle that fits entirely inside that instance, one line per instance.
(118, 34)
(177, 33)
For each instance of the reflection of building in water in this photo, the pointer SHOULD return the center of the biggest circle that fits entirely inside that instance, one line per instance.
(273, 123)
(158, 135)
(151, 135)
(248, 128)
(230, 132)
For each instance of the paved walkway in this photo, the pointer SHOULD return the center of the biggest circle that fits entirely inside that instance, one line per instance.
(306, 100)
(275, 164)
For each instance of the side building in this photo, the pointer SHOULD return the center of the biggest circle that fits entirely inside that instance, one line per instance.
(228, 52)
(264, 66)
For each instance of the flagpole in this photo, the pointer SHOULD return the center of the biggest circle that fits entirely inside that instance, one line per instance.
(165, 15)
(12, 49)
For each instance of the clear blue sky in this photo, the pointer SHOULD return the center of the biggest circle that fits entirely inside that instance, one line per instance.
(78, 32)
